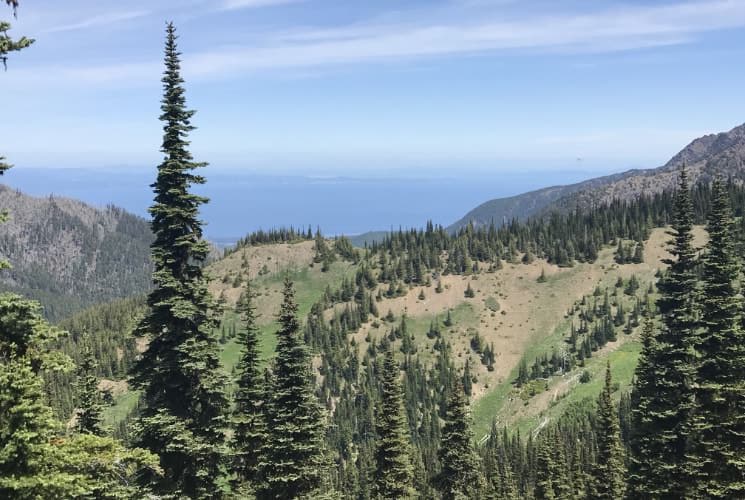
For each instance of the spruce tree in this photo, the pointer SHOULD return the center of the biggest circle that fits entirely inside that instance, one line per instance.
(663, 397)
(293, 461)
(718, 447)
(89, 417)
(249, 424)
(394, 473)
(609, 469)
(460, 476)
(182, 418)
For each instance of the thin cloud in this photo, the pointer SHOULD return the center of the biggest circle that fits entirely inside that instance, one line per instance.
(99, 21)
(610, 30)
(607, 31)
(253, 4)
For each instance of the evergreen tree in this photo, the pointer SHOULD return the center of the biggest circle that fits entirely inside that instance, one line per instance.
(609, 469)
(8, 45)
(562, 488)
(460, 476)
(662, 394)
(249, 424)
(448, 320)
(544, 472)
(35, 462)
(182, 418)
(467, 382)
(89, 417)
(293, 461)
(638, 257)
(26, 423)
(719, 422)
(394, 471)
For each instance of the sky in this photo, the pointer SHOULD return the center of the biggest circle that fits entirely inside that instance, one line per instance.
(353, 86)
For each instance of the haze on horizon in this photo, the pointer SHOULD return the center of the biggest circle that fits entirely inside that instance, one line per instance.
(328, 85)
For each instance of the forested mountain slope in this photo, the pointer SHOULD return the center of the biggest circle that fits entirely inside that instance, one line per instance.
(709, 156)
(523, 317)
(69, 255)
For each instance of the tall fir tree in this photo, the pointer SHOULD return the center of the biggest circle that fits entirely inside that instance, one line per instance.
(718, 447)
(293, 462)
(88, 418)
(663, 397)
(460, 476)
(609, 470)
(394, 474)
(183, 397)
(249, 424)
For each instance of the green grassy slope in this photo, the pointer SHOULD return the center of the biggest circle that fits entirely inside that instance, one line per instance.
(512, 310)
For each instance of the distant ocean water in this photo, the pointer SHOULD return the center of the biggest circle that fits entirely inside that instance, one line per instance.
(242, 202)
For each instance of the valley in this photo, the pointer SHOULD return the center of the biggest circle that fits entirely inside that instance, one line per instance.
(512, 311)
(484, 334)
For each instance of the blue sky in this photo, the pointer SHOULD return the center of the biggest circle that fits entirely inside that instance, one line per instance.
(349, 85)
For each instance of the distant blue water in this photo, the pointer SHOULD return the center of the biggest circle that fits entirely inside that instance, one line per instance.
(242, 202)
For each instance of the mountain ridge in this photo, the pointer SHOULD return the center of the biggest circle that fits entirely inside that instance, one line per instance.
(70, 255)
(708, 156)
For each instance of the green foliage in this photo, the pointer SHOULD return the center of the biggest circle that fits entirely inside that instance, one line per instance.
(293, 463)
(183, 386)
(278, 235)
(609, 470)
(26, 425)
(492, 303)
(663, 399)
(34, 462)
(448, 320)
(88, 417)
(75, 256)
(343, 247)
(545, 473)
(8, 45)
(106, 330)
(87, 466)
(460, 476)
(719, 413)
(394, 473)
(249, 424)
